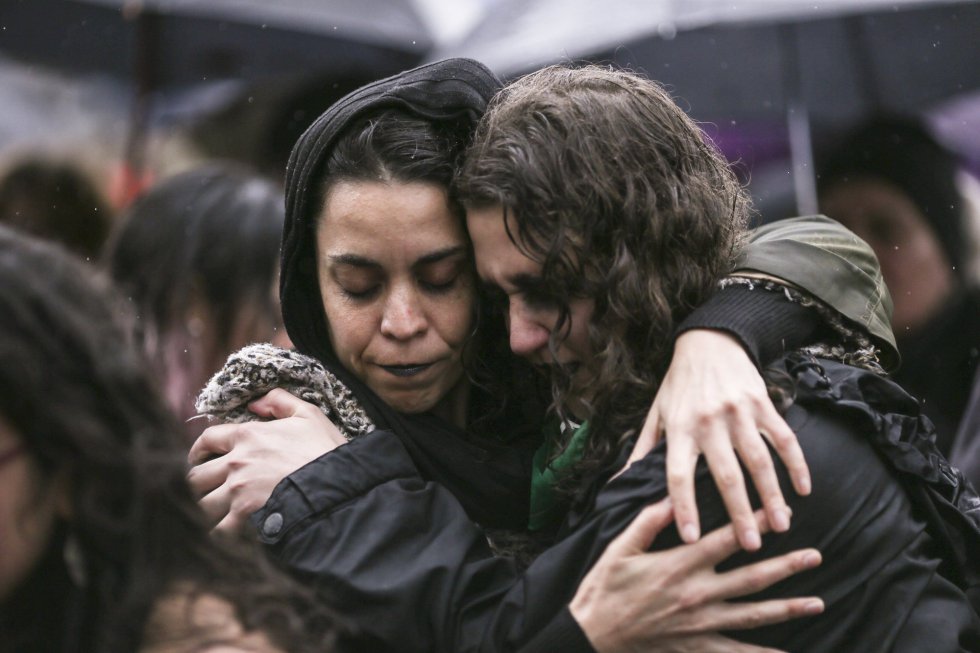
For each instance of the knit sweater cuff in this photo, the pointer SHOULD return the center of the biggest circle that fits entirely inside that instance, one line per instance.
(766, 322)
(561, 634)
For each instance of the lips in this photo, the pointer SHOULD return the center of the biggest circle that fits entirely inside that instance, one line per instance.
(403, 371)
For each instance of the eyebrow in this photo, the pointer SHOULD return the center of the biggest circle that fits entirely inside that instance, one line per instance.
(440, 255)
(359, 261)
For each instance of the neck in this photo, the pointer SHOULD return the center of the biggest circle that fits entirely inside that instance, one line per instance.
(453, 407)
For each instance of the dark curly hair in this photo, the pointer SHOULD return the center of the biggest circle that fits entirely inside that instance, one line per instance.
(74, 389)
(608, 184)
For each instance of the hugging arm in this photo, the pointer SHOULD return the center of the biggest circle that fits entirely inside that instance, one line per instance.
(403, 560)
(713, 401)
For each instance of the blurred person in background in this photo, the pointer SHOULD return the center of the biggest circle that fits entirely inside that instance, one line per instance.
(58, 200)
(102, 545)
(895, 186)
(197, 257)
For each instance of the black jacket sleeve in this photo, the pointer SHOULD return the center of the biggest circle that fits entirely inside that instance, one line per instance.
(766, 323)
(405, 563)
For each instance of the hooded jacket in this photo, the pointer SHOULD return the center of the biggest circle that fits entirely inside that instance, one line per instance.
(490, 478)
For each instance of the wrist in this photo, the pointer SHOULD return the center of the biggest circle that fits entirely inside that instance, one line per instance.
(596, 630)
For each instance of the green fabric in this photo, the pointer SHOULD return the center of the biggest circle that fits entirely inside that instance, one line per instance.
(547, 508)
(831, 263)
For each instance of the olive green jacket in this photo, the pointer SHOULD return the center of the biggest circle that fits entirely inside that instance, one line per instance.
(828, 261)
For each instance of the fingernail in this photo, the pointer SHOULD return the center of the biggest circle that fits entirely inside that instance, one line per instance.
(780, 520)
(752, 539)
(805, 485)
(689, 532)
(813, 607)
(811, 559)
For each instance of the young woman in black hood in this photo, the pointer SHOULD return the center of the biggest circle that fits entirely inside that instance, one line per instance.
(349, 251)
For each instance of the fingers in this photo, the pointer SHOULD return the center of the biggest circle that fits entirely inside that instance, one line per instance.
(711, 644)
(756, 577)
(216, 505)
(207, 476)
(755, 456)
(639, 535)
(787, 445)
(278, 404)
(744, 616)
(728, 478)
(723, 542)
(231, 523)
(214, 441)
(681, 461)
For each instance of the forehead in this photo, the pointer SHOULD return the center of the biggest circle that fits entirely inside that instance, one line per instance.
(498, 258)
(379, 216)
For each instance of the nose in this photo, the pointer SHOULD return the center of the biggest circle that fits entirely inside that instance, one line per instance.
(404, 317)
(527, 335)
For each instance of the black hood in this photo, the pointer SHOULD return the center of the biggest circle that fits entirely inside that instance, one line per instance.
(488, 477)
(454, 89)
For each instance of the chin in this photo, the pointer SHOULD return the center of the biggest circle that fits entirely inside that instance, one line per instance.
(410, 403)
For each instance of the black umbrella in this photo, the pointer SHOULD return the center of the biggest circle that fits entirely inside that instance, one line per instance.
(162, 45)
(805, 67)
(192, 40)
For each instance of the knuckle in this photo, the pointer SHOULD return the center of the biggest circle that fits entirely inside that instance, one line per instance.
(757, 459)
(703, 420)
(754, 618)
(690, 598)
(729, 407)
(676, 477)
(236, 464)
(728, 479)
(238, 488)
(783, 438)
(757, 580)
(756, 400)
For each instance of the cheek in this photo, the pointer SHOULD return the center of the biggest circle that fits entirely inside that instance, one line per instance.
(351, 327)
(580, 314)
(453, 316)
(350, 332)
(26, 524)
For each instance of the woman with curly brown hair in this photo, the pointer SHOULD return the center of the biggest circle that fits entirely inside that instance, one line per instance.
(593, 279)
(102, 546)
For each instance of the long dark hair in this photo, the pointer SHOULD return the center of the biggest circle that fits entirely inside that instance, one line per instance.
(615, 191)
(76, 392)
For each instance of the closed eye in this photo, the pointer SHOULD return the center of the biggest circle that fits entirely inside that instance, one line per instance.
(360, 295)
(441, 272)
(535, 293)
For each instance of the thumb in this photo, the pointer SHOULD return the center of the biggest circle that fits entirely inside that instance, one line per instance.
(645, 527)
(277, 404)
